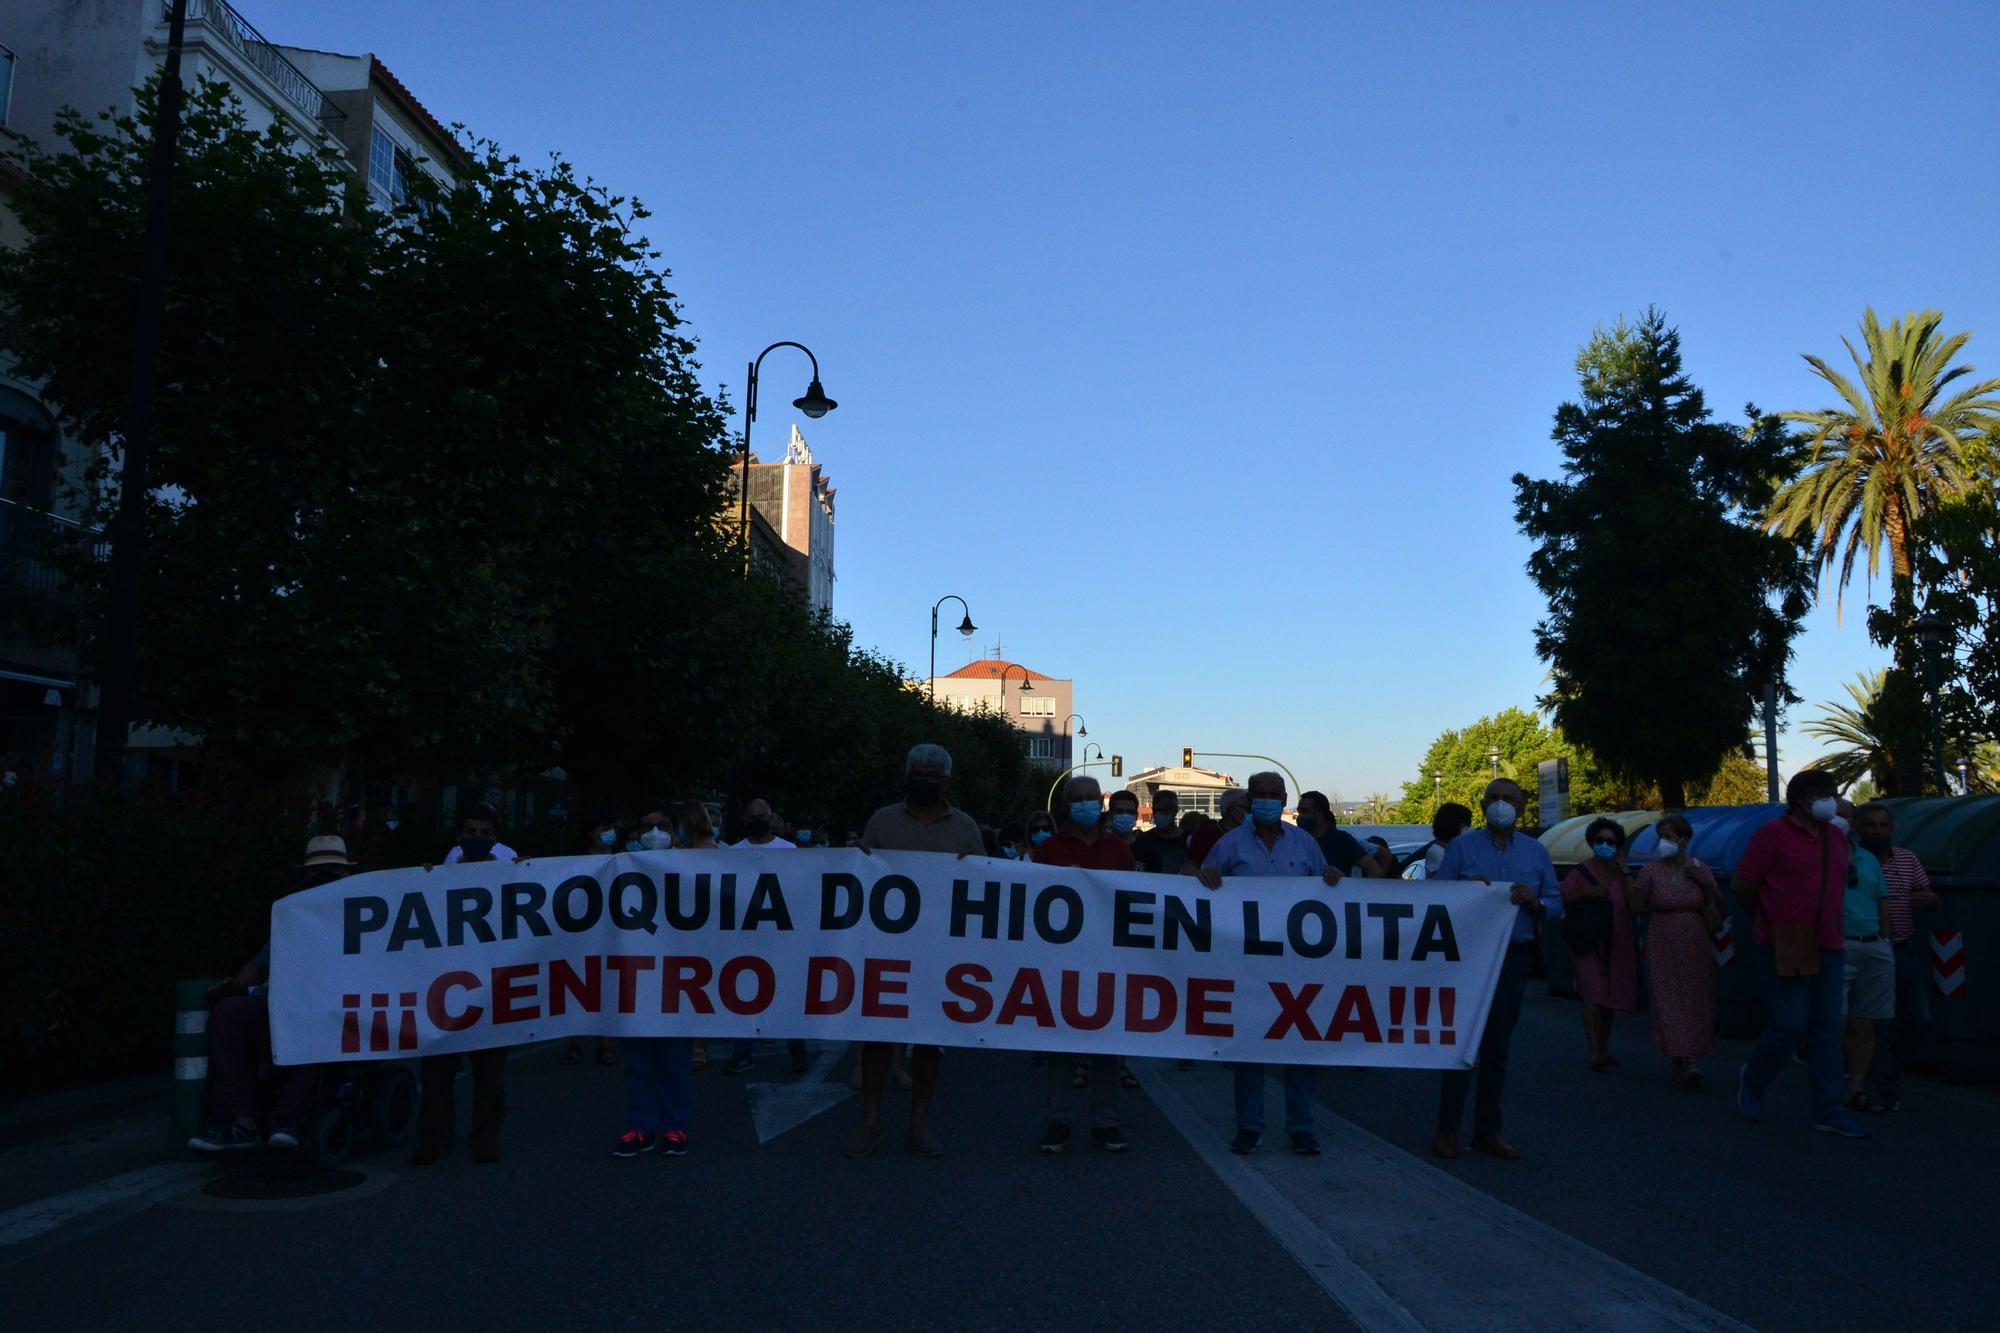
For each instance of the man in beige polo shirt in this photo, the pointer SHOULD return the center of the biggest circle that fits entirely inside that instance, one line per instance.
(923, 821)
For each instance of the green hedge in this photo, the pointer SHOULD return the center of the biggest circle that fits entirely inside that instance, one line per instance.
(107, 899)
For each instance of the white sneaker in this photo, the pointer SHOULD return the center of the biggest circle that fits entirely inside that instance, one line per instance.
(283, 1137)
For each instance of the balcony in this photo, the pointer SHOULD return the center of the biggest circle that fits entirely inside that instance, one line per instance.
(30, 540)
(221, 18)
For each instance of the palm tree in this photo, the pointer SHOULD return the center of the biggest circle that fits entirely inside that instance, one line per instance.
(1890, 453)
(1859, 730)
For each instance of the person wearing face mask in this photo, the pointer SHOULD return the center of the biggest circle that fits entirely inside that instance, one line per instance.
(925, 820)
(479, 837)
(1499, 854)
(1265, 845)
(1792, 879)
(1869, 972)
(1041, 827)
(760, 834)
(1683, 908)
(1087, 840)
(1603, 949)
(1344, 852)
(655, 831)
(601, 840)
(1012, 839)
(1162, 849)
(239, 1040)
(1910, 892)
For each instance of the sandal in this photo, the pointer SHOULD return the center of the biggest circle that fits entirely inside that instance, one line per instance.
(1861, 1101)
(1079, 1076)
(571, 1055)
(606, 1056)
(700, 1061)
(1126, 1078)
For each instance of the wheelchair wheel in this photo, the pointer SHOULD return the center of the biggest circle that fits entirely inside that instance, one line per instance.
(333, 1137)
(392, 1106)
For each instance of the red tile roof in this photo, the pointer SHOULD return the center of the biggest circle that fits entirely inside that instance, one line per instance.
(988, 668)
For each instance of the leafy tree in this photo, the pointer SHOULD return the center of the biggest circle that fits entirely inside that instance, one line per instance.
(1958, 560)
(1669, 610)
(1740, 781)
(1885, 704)
(1891, 453)
(1461, 760)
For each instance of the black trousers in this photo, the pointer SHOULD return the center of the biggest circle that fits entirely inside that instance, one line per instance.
(439, 1118)
(1508, 993)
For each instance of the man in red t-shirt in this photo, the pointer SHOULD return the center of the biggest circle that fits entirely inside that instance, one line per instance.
(1084, 840)
(1794, 874)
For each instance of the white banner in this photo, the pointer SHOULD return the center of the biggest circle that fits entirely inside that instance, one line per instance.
(894, 946)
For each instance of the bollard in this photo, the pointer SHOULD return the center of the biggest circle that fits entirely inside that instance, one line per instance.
(190, 1064)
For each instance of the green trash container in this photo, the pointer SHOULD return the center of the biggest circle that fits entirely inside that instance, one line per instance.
(190, 1063)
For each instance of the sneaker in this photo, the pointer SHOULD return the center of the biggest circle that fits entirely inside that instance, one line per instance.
(1055, 1138)
(674, 1143)
(1111, 1139)
(738, 1064)
(1304, 1144)
(226, 1137)
(284, 1136)
(1840, 1122)
(1748, 1103)
(1246, 1141)
(633, 1142)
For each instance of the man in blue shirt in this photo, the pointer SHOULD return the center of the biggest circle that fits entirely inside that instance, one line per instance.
(1265, 844)
(1497, 854)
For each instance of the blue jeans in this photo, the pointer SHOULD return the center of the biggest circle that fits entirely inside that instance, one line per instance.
(659, 1083)
(1808, 1007)
(1301, 1085)
(1508, 992)
(1904, 1038)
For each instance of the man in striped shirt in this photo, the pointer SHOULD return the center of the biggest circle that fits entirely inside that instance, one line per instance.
(1909, 893)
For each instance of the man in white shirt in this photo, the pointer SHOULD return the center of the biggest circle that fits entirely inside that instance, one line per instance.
(759, 834)
(1264, 844)
(479, 837)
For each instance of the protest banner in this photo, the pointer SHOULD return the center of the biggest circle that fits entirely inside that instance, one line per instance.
(894, 946)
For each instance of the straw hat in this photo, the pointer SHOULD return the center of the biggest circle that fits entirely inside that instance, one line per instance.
(327, 851)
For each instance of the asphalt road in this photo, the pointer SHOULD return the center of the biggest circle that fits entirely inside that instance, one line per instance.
(1770, 1224)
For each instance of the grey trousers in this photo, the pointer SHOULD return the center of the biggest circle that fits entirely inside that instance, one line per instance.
(1061, 1099)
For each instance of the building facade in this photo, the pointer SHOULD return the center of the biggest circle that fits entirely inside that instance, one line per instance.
(1042, 710)
(795, 498)
(90, 56)
(1200, 789)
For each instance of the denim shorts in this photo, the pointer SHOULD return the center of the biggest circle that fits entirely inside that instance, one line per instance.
(1871, 979)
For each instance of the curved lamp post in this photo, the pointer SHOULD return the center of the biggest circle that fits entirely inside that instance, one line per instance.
(965, 627)
(814, 403)
(1026, 676)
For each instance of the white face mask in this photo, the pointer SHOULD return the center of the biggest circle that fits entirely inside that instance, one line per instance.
(1825, 808)
(1500, 814)
(1668, 847)
(655, 839)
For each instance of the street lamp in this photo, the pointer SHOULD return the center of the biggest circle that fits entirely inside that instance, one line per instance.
(1086, 753)
(1964, 777)
(1081, 730)
(1026, 675)
(814, 403)
(1493, 758)
(1437, 791)
(119, 645)
(1934, 633)
(965, 627)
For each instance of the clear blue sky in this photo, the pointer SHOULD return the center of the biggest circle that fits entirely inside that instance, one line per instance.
(1195, 345)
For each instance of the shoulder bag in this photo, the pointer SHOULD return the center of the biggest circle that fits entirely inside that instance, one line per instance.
(1586, 923)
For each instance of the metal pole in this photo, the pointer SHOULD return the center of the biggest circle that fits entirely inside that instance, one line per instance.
(1937, 721)
(931, 680)
(119, 646)
(743, 501)
(1771, 742)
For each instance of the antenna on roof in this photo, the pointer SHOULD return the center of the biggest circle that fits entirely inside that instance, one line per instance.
(997, 651)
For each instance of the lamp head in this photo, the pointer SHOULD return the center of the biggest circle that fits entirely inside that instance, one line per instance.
(815, 404)
(965, 626)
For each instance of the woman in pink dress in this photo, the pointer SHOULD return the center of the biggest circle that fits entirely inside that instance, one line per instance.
(1672, 890)
(1607, 974)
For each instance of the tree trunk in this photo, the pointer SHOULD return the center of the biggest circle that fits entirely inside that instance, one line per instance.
(1673, 794)
(1906, 748)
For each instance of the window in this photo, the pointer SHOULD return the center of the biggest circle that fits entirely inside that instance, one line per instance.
(391, 168)
(27, 451)
(1041, 747)
(1038, 706)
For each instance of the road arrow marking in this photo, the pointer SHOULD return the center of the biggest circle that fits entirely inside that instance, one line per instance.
(780, 1108)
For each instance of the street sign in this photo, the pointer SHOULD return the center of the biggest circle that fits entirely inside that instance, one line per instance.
(1554, 775)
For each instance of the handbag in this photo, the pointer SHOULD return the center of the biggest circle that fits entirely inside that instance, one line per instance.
(1586, 924)
(1795, 947)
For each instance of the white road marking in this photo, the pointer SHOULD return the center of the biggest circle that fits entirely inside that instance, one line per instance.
(780, 1108)
(118, 1195)
(1400, 1243)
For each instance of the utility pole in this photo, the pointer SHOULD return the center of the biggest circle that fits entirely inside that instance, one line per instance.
(1771, 741)
(118, 644)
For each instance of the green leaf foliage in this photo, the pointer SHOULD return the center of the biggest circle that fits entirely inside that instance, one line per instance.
(1669, 607)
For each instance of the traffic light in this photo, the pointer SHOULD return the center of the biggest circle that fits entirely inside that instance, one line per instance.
(1117, 765)
(1187, 756)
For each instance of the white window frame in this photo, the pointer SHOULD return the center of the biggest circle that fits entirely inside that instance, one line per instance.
(1038, 705)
